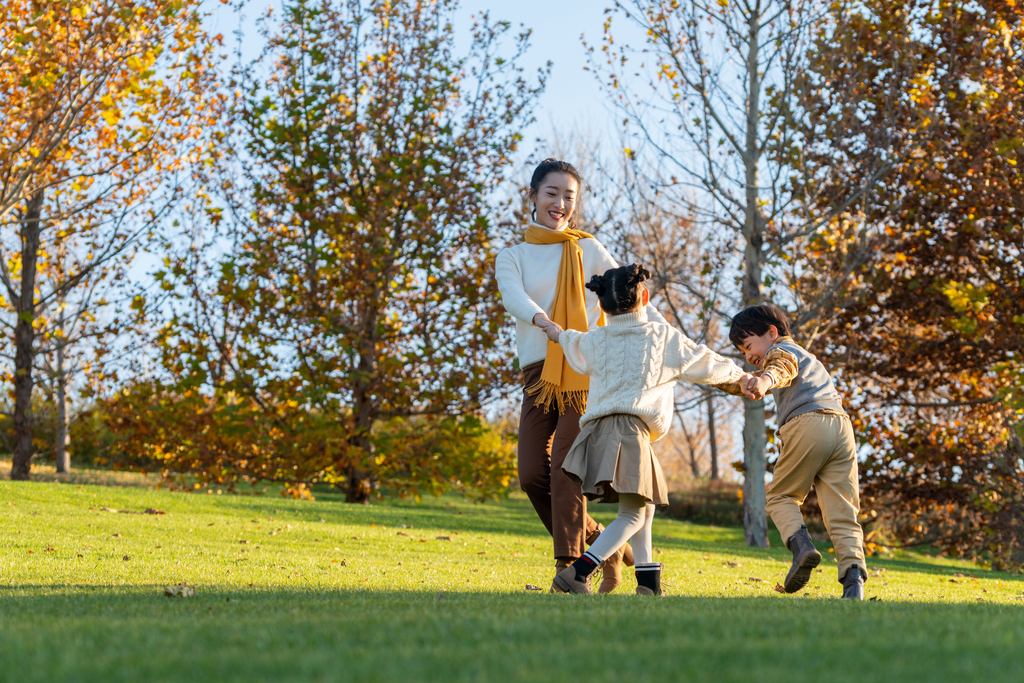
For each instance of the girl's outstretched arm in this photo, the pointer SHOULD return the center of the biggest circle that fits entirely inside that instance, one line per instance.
(695, 363)
(575, 349)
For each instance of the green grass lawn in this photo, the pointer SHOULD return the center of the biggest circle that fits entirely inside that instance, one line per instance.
(437, 591)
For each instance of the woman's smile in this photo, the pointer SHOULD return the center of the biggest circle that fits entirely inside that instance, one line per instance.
(555, 200)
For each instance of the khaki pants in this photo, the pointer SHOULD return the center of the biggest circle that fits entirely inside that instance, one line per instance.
(544, 441)
(819, 449)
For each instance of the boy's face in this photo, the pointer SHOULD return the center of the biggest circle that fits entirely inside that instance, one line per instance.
(755, 347)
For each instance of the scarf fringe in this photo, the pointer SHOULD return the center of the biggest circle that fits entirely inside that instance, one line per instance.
(548, 396)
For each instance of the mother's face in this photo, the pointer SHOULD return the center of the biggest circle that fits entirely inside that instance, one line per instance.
(555, 200)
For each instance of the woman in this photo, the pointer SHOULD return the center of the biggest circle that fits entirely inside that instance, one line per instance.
(541, 283)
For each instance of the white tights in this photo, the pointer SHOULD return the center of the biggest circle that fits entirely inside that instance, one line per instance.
(633, 523)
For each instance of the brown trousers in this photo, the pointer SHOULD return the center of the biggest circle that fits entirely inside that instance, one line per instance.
(544, 441)
(819, 450)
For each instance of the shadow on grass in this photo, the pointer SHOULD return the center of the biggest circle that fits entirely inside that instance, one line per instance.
(113, 633)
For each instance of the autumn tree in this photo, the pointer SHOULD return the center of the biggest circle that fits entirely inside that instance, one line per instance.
(929, 339)
(713, 94)
(100, 99)
(355, 286)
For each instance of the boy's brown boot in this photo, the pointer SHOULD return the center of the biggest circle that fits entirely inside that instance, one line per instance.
(805, 558)
(853, 583)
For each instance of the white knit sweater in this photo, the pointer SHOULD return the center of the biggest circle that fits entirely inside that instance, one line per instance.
(633, 366)
(527, 275)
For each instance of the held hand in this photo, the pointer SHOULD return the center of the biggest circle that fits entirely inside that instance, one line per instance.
(759, 386)
(744, 383)
(553, 330)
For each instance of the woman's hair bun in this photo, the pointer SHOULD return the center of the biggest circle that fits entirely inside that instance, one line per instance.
(597, 285)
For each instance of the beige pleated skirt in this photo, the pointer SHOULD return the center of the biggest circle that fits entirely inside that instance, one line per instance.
(613, 455)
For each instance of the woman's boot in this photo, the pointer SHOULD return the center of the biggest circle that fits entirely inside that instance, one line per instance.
(611, 570)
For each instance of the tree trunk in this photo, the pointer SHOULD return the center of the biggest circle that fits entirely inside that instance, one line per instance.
(755, 522)
(357, 488)
(358, 480)
(63, 437)
(24, 338)
(712, 437)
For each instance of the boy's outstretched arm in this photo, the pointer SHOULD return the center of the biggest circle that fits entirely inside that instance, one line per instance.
(780, 368)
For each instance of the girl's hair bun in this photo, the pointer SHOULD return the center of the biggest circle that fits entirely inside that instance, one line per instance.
(619, 288)
(638, 274)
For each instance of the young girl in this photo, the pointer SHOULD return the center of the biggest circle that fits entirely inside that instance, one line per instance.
(633, 365)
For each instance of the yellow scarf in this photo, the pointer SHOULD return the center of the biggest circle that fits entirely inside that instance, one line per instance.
(560, 384)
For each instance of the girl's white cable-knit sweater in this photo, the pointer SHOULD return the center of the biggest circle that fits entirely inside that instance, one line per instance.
(633, 365)
(527, 275)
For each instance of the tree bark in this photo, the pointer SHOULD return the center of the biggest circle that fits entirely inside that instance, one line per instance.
(712, 437)
(755, 522)
(24, 338)
(63, 437)
(358, 480)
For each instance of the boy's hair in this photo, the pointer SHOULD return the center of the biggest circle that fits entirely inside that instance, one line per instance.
(754, 321)
(619, 288)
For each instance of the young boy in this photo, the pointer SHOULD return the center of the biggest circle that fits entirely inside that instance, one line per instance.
(817, 447)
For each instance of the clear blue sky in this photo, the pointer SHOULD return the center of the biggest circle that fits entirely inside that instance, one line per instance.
(573, 96)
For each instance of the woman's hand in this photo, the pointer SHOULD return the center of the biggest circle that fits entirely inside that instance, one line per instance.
(550, 328)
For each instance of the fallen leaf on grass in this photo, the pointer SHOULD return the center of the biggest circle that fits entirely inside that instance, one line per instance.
(443, 538)
(109, 509)
(181, 590)
(875, 599)
(154, 511)
(732, 564)
(117, 535)
(126, 558)
(402, 533)
(440, 596)
(755, 579)
(953, 581)
(531, 587)
(779, 588)
(243, 541)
